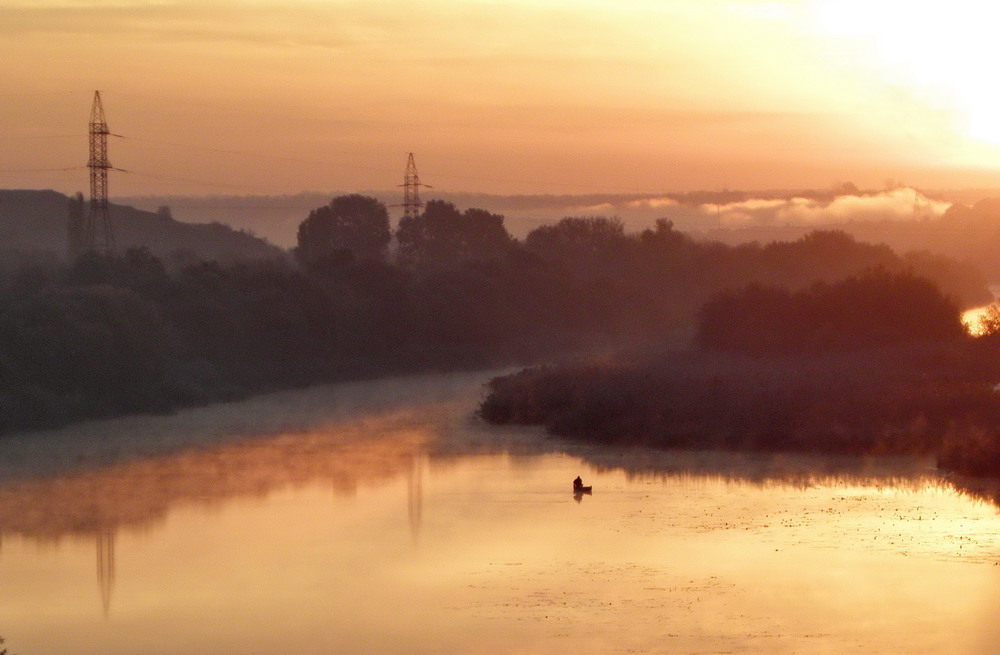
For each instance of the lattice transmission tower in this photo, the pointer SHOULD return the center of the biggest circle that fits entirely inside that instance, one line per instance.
(97, 234)
(411, 190)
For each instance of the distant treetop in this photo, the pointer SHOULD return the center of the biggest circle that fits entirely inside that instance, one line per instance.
(351, 226)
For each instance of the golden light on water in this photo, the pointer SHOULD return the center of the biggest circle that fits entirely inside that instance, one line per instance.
(505, 555)
(388, 521)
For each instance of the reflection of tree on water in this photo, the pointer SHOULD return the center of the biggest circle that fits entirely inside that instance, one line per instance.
(99, 503)
(95, 479)
(766, 469)
(362, 445)
(982, 489)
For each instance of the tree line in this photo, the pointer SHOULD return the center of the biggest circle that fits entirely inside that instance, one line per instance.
(878, 363)
(112, 334)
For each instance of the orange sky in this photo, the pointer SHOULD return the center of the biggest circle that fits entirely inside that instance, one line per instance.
(518, 96)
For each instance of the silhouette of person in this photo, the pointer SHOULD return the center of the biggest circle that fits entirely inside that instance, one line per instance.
(577, 483)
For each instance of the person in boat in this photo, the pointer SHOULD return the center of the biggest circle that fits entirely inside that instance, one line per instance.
(578, 483)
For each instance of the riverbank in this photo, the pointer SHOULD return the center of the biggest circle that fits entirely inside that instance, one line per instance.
(919, 400)
(876, 364)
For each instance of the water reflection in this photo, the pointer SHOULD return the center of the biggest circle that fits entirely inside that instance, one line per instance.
(94, 480)
(143, 491)
(96, 486)
(140, 493)
(981, 489)
(794, 470)
(338, 478)
(415, 495)
(106, 567)
(440, 401)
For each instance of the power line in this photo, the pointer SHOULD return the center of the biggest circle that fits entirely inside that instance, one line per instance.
(27, 94)
(186, 180)
(44, 136)
(41, 170)
(379, 169)
(260, 155)
(583, 187)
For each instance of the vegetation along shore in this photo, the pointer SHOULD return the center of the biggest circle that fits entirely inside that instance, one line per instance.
(822, 343)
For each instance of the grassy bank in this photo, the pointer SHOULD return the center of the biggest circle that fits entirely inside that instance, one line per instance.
(768, 378)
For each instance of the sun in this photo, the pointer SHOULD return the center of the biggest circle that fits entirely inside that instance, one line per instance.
(944, 54)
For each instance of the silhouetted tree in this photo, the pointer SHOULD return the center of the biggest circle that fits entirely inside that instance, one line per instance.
(75, 237)
(989, 322)
(443, 236)
(579, 239)
(137, 269)
(122, 332)
(350, 227)
(875, 309)
(662, 236)
(103, 347)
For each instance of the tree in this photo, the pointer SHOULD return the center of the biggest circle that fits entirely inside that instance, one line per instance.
(444, 236)
(583, 240)
(76, 238)
(989, 322)
(350, 227)
(875, 309)
(663, 236)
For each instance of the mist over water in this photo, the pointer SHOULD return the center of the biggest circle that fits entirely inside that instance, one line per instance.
(383, 517)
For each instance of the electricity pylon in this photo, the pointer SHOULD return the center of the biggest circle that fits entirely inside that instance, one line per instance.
(411, 190)
(97, 234)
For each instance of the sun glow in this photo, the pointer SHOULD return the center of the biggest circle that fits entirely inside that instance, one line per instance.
(625, 95)
(944, 54)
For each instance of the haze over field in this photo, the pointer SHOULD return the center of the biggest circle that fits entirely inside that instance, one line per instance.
(532, 96)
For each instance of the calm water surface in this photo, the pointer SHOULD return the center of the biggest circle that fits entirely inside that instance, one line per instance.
(380, 517)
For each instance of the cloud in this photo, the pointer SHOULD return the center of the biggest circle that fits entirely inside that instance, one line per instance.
(652, 203)
(901, 204)
(599, 208)
(261, 24)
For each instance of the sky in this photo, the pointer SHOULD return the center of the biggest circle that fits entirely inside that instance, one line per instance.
(507, 96)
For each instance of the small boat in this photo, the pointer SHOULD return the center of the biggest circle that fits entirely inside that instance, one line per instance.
(582, 490)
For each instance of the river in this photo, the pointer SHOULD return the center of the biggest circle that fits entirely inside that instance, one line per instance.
(382, 517)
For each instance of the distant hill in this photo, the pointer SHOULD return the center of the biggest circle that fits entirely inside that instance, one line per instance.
(34, 222)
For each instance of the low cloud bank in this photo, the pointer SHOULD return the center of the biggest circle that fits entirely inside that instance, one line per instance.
(901, 204)
(804, 210)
